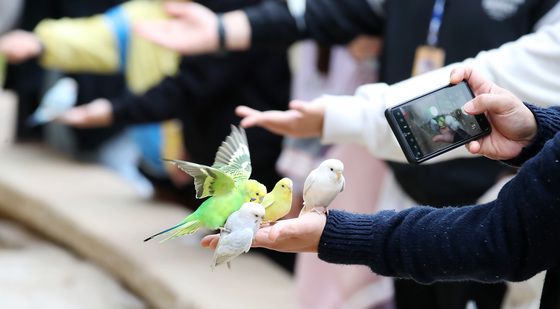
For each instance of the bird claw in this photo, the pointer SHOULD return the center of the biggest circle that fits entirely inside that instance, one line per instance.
(223, 229)
(323, 212)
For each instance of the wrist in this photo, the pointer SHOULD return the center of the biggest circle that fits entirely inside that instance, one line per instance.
(237, 31)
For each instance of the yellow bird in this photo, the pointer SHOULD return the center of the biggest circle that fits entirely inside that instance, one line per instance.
(278, 202)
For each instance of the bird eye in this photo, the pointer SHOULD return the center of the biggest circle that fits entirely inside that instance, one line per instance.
(256, 216)
(283, 186)
(332, 169)
(257, 193)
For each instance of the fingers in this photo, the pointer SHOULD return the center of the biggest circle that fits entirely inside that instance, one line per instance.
(154, 31)
(476, 81)
(459, 74)
(210, 241)
(473, 147)
(76, 117)
(245, 111)
(250, 116)
(177, 9)
(277, 122)
(262, 238)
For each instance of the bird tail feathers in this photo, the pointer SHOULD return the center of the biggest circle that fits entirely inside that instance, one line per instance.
(185, 228)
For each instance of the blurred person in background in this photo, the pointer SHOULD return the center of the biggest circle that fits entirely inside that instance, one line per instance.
(336, 70)
(27, 79)
(434, 32)
(203, 95)
(104, 44)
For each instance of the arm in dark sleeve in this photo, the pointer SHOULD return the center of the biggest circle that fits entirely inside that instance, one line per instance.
(512, 238)
(548, 124)
(327, 21)
(200, 79)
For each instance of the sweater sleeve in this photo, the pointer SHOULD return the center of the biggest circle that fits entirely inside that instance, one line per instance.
(548, 124)
(200, 80)
(512, 238)
(327, 21)
(78, 45)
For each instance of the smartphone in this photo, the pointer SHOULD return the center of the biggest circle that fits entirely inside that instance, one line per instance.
(435, 123)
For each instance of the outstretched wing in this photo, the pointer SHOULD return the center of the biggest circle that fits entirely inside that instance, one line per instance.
(233, 156)
(207, 180)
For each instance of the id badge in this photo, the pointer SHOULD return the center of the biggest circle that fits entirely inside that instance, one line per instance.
(427, 58)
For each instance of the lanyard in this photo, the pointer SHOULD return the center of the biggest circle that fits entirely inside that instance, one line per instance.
(435, 22)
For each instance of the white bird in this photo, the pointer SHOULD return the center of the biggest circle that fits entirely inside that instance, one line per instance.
(322, 185)
(58, 99)
(238, 233)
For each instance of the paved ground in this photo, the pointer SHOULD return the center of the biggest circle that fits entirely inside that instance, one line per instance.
(37, 274)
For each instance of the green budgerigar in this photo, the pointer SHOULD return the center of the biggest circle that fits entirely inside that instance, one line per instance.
(226, 182)
(278, 202)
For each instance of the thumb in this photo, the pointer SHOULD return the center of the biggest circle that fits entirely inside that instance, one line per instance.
(298, 105)
(492, 103)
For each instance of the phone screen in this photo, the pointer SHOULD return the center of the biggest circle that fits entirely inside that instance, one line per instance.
(433, 122)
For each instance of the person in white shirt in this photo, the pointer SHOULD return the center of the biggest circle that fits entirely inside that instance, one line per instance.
(528, 67)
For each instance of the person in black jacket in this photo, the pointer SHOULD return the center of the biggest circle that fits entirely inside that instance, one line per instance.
(203, 96)
(27, 79)
(463, 29)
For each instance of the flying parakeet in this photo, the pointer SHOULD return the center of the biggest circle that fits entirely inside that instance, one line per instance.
(322, 185)
(226, 182)
(237, 235)
(58, 99)
(278, 202)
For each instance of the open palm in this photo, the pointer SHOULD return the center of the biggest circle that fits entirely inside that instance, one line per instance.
(192, 31)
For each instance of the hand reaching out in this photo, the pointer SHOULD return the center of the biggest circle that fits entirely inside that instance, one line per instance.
(513, 124)
(98, 113)
(301, 120)
(193, 29)
(19, 46)
(292, 235)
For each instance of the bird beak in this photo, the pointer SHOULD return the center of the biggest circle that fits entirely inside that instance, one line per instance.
(338, 175)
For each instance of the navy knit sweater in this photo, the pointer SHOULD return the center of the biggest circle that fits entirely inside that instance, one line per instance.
(512, 238)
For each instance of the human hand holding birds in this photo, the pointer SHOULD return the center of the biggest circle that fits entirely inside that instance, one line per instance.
(300, 234)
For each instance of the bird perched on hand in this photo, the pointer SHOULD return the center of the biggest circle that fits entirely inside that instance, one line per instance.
(322, 185)
(237, 235)
(58, 99)
(278, 202)
(226, 182)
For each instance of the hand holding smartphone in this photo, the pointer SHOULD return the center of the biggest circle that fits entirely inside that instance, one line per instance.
(435, 123)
